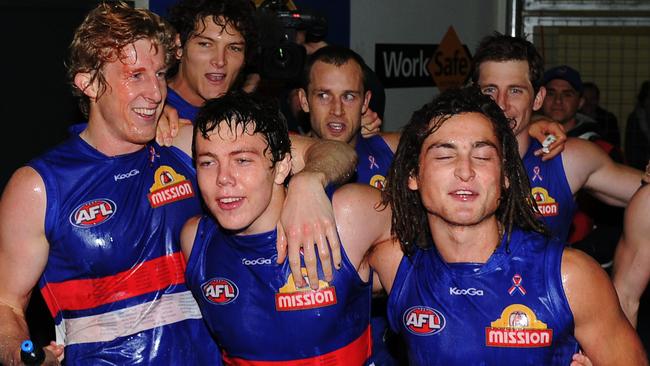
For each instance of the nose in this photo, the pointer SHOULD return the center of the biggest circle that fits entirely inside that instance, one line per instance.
(154, 92)
(336, 107)
(219, 58)
(225, 175)
(502, 101)
(464, 169)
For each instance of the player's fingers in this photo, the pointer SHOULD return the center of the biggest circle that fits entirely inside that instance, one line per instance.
(334, 245)
(281, 244)
(324, 257)
(309, 254)
(294, 260)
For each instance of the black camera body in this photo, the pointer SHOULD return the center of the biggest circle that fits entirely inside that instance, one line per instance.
(279, 56)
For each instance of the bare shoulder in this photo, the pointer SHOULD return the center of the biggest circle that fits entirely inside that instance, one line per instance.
(597, 314)
(392, 139)
(578, 266)
(25, 192)
(584, 282)
(577, 148)
(188, 234)
(356, 195)
(359, 205)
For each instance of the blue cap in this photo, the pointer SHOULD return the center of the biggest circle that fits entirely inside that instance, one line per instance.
(566, 73)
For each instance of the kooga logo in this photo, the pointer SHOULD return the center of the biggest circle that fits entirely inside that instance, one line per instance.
(465, 291)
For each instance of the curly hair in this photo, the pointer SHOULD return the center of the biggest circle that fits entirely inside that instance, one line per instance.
(516, 205)
(237, 108)
(188, 18)
(102, 36)
(499, 47)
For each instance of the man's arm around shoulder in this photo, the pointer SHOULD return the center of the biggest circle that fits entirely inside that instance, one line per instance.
(601, 328)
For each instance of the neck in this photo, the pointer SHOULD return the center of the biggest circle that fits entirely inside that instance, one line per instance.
(269, 219)
(104, 139)
(472, 243)
(182, 88)
(570, 124)
(523, 140)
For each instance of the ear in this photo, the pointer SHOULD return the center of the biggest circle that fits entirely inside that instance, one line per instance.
(539, 98)
(366, 101)
(304, 104)
(282, 169)
(581, 102)
(82, 80)
(179, 46)
(413, 182)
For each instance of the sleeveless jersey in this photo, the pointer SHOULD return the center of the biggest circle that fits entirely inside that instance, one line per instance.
(509, 311)
(184, 109)
(551, 191)
(257, 314)
(114, 278)
(374, 159)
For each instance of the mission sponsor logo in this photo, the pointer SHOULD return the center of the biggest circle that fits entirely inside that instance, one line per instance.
(220, 291)
(93, 213)
(518, 327)
(169, 187)
(423, 320)
(545, 203)
(291, 298)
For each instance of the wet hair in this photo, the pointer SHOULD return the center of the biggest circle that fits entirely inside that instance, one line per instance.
(102, 37)
(251, 112)
(516, 204)
(500, 48)
(337, 56)
(189, 16)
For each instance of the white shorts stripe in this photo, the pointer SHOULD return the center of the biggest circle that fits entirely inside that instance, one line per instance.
(105, 327)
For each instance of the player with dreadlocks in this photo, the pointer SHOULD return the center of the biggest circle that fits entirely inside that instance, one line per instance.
(477, 280)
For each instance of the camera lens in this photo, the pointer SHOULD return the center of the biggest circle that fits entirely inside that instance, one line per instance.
(281, 57)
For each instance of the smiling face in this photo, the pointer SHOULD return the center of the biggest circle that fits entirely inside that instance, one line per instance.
(459, 178)
(237, 180)
(335, 100)
(508, 83)
(562, 101)
(133, 100)
(210, 61)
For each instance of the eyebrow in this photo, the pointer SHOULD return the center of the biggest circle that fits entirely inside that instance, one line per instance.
(475, 145)
(242, 42)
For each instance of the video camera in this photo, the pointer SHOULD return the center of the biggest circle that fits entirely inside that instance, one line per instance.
(279, 56)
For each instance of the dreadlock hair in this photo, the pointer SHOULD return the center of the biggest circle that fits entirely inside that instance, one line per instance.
(253, 113)
(516, 204)
(500, 48)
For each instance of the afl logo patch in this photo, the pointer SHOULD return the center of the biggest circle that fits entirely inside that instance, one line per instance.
(423, 320)
(220, 291)
(93, 213)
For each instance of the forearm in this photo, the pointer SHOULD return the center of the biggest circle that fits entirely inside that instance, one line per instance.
(330, 161)
(13, 332)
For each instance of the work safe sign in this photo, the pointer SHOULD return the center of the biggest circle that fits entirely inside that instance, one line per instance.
(443, 65)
